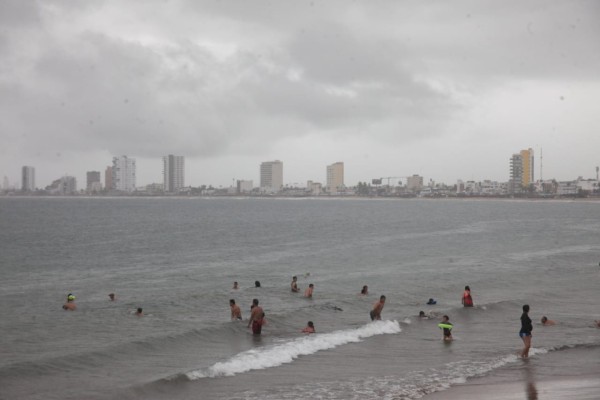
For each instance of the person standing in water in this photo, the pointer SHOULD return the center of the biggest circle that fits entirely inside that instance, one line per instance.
(310, 328)
(377, 309)
(365, 290)
(236, 313)
(467, 300)
(525, 332)
(256, 318)
(309, 291)
(294, 284)
(446, 326)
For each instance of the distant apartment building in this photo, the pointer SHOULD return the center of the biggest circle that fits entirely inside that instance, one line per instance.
(108, 182)
(28, 179)
(243, 186)
(521, 171)
(271, 176)
(155, 188)
(173, 173)
(414, 183)
(567, 188)
(588, 185)
(93, 181)
(335, 178)
(64, 186)
(314, 188)
(123, 174)
(460, 186)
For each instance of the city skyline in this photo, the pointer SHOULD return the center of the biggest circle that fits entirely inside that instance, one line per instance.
(445, 90)
(121, 176)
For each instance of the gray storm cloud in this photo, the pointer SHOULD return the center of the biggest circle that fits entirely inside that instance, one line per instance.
(211, 79)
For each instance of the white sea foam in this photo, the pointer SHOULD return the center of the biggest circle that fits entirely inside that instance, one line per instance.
(262, 358)
(414, 385)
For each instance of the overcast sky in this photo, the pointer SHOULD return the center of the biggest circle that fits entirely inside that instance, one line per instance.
(445, 89)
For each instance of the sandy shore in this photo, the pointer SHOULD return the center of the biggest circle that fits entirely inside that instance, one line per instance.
(571, 374)
(584, 388)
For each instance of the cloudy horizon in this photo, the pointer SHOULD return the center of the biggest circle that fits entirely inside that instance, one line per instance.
(446, 90)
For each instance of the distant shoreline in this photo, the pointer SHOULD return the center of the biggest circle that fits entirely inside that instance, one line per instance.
(399, 198)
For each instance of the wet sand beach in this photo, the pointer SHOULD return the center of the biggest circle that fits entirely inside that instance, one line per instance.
(571, 374)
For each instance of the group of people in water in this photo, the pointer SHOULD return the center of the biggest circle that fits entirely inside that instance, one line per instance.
(257, 315)
(71, 306)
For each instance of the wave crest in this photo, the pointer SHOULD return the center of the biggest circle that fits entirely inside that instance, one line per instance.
(262, 358)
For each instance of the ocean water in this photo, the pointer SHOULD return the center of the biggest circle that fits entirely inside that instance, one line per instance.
(178, 258)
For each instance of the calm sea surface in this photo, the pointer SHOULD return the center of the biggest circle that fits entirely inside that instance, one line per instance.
(178, 259)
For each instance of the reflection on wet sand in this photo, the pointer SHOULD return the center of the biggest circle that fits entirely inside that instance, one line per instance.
(530, 388)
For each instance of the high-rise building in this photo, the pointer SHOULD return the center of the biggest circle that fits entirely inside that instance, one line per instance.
(528, 164)
(521, 171)
(123, 174)
(335, 177)
(173, 173)
(108, 182)
(93, 177)
(5, 183)
(271, 176)
(414, 183)
(28, 179)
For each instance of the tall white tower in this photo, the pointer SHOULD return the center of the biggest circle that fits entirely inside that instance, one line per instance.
(271, 175)
(123, 173)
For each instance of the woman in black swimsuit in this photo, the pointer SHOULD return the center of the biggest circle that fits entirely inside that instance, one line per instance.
(525, 332)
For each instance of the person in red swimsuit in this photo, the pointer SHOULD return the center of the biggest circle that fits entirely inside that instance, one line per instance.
(467, 300)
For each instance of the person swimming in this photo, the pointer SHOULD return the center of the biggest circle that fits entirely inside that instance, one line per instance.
(139, 312)
(365, 290)
(256, 283)
(111, 296)
(547, 322)
(236, 286)
(70, 304)
(431, 302)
